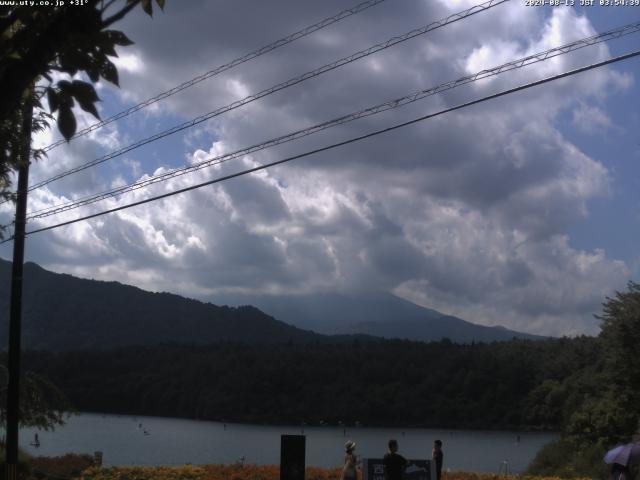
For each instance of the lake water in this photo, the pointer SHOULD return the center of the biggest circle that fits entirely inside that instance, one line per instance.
(172, 441)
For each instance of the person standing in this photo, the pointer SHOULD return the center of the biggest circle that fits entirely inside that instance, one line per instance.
(394, 463)
(437, 457)
(349, 471)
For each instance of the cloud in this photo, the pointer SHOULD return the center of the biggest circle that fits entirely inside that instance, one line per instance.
(591, 119)
(467, 213)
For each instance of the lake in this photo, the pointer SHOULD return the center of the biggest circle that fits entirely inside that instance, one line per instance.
(172, 441)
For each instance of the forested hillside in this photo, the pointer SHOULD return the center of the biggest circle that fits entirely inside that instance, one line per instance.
(501, 385)
(64, 312)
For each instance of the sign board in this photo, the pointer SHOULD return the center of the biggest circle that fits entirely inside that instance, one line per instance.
(373, 469)
(292, 457)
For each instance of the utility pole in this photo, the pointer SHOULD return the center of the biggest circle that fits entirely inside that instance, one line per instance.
(13, 389)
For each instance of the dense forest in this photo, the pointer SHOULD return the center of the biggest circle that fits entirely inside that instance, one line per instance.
(523, 384)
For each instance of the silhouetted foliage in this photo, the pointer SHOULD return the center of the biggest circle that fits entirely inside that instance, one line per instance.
(609, 414)
(561, 459)
(42, 49)
(604, 409)
(621, 337)
(42, 404)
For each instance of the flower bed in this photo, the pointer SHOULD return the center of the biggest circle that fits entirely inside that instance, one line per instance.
(252, 472)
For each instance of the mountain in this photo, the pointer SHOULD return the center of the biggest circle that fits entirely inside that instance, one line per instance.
(62, 312)
(380, 314)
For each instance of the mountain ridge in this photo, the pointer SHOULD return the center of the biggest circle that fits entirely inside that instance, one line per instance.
(63, 312)
(381, 314)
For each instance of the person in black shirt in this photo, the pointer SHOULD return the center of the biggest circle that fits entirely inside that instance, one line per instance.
(394, 464)
(437, 457)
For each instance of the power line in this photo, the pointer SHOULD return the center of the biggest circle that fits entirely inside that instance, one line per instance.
(392, 104)
(222, 68)
(293, 81)
(345, 142)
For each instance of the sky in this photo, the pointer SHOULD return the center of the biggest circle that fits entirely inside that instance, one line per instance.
(522, 211)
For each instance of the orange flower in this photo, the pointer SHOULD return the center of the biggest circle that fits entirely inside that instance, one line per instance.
(253, 472)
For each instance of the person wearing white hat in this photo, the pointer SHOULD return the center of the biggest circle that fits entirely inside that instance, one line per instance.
(351, 461)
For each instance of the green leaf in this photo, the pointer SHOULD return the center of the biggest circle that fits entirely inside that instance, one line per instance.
(160, 4)
(94, 74)
(110, 73)
(86, 97)
(117, 38)
(93, 69)
(147, 7)
(66, 122)
(107, 48)
(74, 58)
(84, 91)
(64, 86)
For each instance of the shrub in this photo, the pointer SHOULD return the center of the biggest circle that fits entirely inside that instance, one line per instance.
(561, 458)
(66, 466)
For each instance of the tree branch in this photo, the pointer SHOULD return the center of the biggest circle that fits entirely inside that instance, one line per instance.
(103, 7)
(120, 15)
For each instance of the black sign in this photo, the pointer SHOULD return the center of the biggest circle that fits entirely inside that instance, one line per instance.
(292, 461)
(373, 469)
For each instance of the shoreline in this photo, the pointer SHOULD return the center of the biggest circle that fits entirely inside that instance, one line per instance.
(514, 429)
